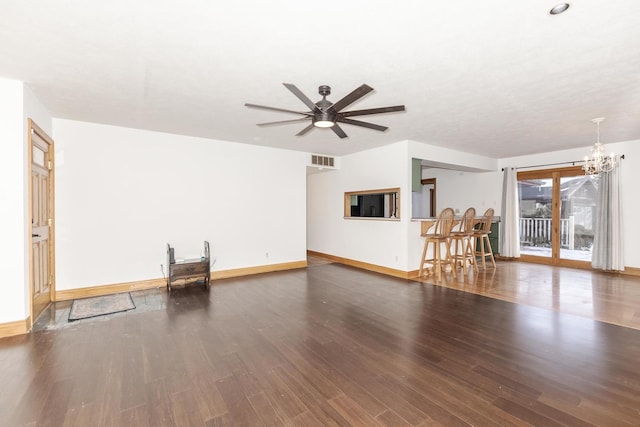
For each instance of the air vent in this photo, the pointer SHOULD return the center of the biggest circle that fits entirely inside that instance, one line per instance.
(324, 161)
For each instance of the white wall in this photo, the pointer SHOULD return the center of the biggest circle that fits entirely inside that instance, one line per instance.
(122, 194)
(34, 110)
(460, 190)
(573, 155)
(377, 242)
(630, 177)
(448, 156)
(14, 283)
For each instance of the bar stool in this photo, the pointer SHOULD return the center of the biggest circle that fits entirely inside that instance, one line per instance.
(462, 241)
(482, 234)
(437, 238)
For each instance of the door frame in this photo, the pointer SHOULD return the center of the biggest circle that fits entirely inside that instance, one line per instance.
(32, 128)
(433, 212)
(554, 174)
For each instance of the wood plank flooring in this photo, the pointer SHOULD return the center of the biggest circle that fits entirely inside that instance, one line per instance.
(326, 345)
(608, 297)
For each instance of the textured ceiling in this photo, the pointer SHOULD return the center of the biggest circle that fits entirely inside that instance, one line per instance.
(497, 78)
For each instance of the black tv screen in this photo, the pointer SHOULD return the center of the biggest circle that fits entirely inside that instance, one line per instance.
(370, 205)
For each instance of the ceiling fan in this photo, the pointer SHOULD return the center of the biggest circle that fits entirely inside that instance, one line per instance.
(325, 114)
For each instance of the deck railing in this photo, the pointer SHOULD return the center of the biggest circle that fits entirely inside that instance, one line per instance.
(537, 232)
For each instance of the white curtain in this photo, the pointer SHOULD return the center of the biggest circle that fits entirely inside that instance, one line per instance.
(510, 217)
(608, 246)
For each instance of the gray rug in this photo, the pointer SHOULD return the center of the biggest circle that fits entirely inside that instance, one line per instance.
(99, 306)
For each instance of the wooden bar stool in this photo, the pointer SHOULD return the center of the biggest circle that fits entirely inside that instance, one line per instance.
(483, 243)
(462, 241)
(437, 238)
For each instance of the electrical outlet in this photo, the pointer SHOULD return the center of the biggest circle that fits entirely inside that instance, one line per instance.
(267, 255)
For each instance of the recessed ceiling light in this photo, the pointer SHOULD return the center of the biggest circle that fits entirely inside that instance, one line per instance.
(559, 8)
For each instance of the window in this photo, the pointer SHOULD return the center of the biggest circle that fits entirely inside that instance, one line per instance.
(377, 204)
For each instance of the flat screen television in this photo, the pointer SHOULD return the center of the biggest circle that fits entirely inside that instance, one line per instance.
(369, 205)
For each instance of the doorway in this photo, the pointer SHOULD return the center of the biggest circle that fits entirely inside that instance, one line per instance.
(41, 213)
(429, 185)
(557, 216)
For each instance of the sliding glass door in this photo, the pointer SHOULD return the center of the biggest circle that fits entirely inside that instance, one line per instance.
(557, 216)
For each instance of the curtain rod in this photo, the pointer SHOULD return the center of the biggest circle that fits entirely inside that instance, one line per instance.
(573, 163)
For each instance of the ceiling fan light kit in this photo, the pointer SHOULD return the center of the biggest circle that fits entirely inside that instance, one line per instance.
(325, 114)
(323, 120)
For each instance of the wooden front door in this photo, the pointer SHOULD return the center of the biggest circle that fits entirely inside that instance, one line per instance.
(41, 209)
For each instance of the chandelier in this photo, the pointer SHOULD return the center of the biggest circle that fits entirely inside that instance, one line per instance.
(597, 161)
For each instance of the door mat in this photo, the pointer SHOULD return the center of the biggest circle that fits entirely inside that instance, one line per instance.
(99, 306)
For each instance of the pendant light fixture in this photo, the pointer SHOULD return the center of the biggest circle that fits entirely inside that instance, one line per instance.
(597, 161)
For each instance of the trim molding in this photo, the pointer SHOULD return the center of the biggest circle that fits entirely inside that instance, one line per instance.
(94, 291)
(247, 271)
(631, 271)
(19, 327)
(628, 271)
(366, 266)
(413, 274)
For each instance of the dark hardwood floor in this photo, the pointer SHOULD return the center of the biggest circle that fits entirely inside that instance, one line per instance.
(608, 297)
(326, 345)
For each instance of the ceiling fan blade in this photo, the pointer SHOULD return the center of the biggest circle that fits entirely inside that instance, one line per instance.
(338, 131)
(305, 130)
(302, 97)
(352, 97)
(363, 124)
(264, 107)
(373, 111)
(283, 122)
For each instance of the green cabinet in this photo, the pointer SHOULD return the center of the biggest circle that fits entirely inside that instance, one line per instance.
(494, 237)
(416, 175)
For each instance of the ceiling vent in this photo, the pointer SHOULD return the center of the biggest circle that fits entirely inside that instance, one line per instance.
(322, 161)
